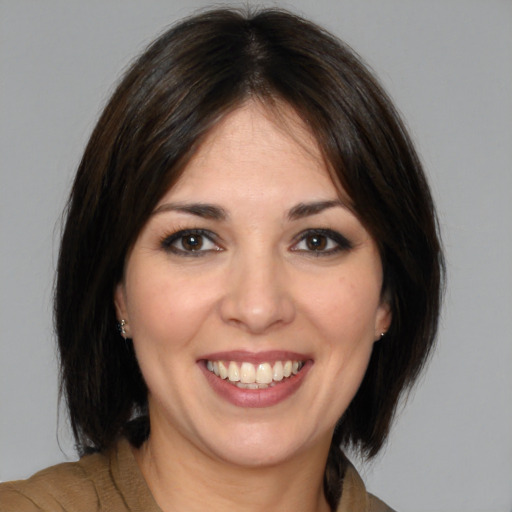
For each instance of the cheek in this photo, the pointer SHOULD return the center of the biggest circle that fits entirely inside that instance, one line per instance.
(164, 309)
(345, 307)
(344, 315)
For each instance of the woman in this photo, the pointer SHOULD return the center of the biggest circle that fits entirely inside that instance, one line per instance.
(249, 277)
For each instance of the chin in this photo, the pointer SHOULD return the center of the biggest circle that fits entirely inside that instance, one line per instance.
(254, 446)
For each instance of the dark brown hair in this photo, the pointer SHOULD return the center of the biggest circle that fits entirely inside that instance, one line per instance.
(168, 100)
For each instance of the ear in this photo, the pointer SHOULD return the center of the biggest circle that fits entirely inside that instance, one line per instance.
(120, 304)
(382, 319)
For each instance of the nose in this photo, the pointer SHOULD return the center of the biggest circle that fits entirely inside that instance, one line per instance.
(257, 298)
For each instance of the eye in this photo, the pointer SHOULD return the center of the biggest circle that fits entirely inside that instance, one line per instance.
(321, 242)
(191, 242)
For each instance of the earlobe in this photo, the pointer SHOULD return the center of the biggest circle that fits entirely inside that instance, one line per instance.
(383, 320)
(121, 313)
(120, 302)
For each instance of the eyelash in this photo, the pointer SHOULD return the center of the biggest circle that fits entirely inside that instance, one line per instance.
(169, 241)
(340, 242)
(326, 236)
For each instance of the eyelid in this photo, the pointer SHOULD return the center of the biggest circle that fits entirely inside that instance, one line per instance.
(168, 240)
(342, 243)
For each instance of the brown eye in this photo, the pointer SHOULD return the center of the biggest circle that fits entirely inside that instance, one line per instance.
(321, 242)
(192, 242)
(316, 242)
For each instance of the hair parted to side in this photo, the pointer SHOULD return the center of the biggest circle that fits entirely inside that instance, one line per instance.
(191, 76)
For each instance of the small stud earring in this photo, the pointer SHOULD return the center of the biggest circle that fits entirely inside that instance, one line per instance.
(121, 327)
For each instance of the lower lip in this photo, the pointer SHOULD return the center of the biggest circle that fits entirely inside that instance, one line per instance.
(266, 397)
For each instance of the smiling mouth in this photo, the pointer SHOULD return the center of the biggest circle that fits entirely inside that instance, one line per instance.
(246, 375)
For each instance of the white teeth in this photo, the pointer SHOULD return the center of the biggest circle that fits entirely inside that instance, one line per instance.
(248, 376)
(277, 374)
(223, 371)
(247, 373)
(249, 385)
(233, 372)
(264, 374)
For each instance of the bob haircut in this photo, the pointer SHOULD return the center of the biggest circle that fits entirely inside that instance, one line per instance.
(179, 88)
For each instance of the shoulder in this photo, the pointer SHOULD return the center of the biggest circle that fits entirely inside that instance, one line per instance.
(354, 496)
(73, 486)
(376, 505)
(109, 481)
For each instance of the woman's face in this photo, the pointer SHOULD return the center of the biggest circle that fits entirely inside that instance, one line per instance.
(253, 268)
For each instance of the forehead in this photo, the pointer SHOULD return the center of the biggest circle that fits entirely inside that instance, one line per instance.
(256, 149)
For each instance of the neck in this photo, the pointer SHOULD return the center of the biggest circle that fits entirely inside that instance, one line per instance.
(182, 478)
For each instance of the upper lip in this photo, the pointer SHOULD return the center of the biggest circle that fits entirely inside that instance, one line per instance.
(269, 356)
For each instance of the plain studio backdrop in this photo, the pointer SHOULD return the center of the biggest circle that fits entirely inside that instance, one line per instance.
(448, 66)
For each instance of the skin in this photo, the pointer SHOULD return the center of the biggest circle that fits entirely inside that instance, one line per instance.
(256, 284)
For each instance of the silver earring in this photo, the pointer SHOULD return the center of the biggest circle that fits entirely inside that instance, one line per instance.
(382, 334)
(121, 327)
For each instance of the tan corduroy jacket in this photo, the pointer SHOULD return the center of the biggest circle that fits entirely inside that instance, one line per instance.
(112, 482)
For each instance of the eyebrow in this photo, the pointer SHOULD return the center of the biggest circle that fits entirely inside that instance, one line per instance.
(307, 209)
(213, 212)
(204, 210)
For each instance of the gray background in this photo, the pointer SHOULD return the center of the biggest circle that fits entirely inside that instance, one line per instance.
(448, 65)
